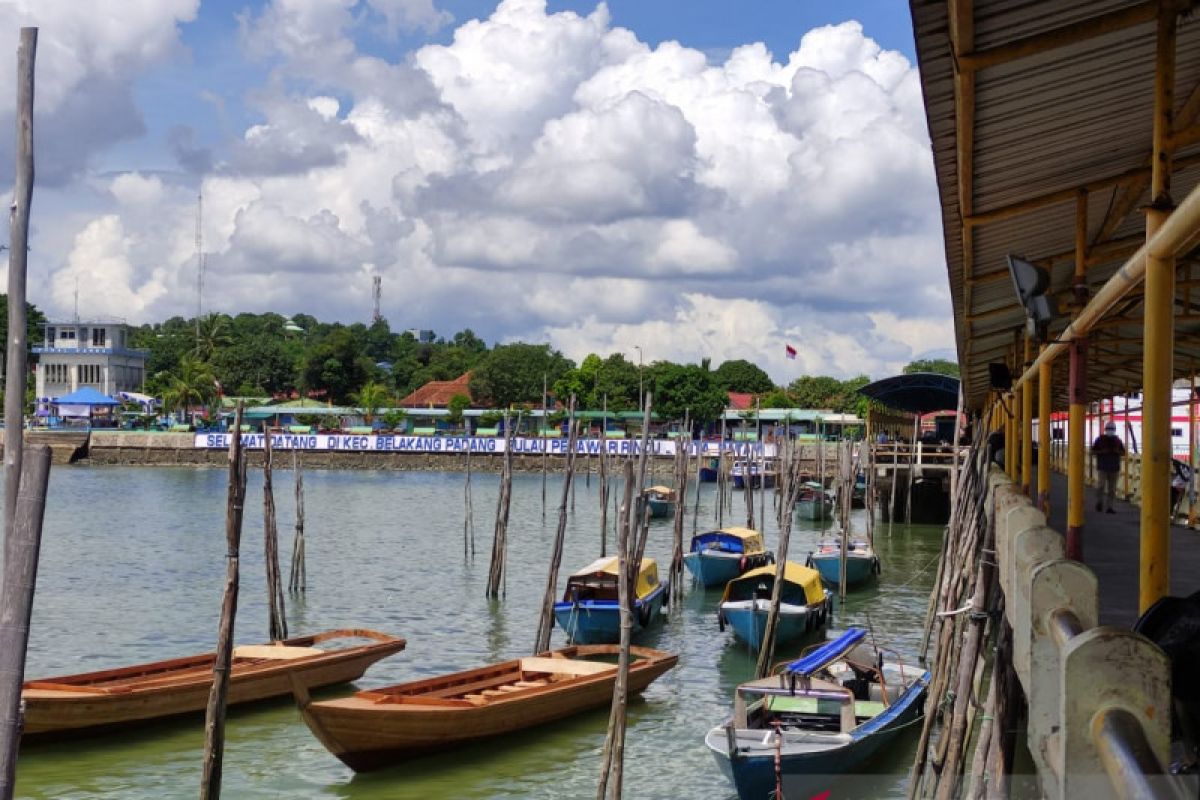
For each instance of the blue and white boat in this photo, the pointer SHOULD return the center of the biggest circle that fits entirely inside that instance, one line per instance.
(861, 561)
(796, 733)
(804, 604)
(759, 477)
(590, 612)
(716, 557)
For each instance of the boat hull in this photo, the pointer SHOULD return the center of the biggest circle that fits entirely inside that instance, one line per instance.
(757, 481)
(659, 508)
(100, 701)
(812, 768)
(367, 735)
(814, 510)
(859, 567)
(600, 622)
(717, 568)
(748, 618)
(708, 474)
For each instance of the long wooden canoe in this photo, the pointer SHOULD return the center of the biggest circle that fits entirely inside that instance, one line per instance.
(95, 701)
(380, 727)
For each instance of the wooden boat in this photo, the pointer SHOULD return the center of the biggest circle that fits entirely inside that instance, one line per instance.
(759, 478)
(718, 556)
(661, 500)
(590, 613)
(814, 503)
(861, 561)
(380, 727)
(709, 470)
(803, 608)
(100, 700)
(834, 709)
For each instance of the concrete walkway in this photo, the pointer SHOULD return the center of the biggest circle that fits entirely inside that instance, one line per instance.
(1110, 548)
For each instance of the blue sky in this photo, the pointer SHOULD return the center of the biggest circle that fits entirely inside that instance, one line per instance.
(530, 169)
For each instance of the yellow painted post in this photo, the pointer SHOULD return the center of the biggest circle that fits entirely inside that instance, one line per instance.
(1158, 339)
(1044, 423)
(1010, 438)
(1192, 453)
(1027, 424)
(1076, 448)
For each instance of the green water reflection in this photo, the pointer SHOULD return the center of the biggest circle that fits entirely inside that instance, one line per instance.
(132, 568)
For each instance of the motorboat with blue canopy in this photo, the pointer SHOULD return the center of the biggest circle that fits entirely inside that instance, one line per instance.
(818, 719)
(716, 557)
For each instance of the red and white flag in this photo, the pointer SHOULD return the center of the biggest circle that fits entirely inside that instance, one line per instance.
(791, 351)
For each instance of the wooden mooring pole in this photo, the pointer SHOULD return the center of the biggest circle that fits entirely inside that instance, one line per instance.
(22, 545)
(298, 580)
(25, 478)
(277, 622)
(214, 719)
(546, 620)
(496, 583)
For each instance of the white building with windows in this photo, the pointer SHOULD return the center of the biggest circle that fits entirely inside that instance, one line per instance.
(96, 354)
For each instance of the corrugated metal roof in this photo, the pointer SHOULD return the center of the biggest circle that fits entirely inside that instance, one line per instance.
(1076, 115)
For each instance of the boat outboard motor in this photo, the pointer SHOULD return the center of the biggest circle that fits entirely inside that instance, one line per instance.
(1173, 623)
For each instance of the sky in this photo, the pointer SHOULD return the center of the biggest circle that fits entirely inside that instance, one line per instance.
(680, 179)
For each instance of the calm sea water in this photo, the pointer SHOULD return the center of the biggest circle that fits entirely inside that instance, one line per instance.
(132, 570)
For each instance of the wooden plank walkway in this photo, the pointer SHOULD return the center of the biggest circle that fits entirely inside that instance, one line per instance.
(1110, 548)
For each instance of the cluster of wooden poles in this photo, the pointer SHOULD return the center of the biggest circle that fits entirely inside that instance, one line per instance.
(964, 617)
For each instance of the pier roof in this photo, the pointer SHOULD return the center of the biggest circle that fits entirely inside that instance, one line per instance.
(1041, 117)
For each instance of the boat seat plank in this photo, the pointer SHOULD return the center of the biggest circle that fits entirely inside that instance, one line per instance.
(281, 652)
(530, 684)
(565, 666)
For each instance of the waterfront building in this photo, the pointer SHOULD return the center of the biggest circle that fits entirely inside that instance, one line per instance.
(437, 394)
(74, 355)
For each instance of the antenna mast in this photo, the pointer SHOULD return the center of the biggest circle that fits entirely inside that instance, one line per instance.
(376, 293)
(199, 258)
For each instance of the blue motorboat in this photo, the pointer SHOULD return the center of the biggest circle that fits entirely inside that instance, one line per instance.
(590, 612)
(861, 561)
(716, 557)
(709, 471)
(799, 732)
(804, 604)
(660, 500)
(758, 477)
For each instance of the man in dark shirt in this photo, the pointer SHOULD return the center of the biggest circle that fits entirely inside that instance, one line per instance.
(1108, 450)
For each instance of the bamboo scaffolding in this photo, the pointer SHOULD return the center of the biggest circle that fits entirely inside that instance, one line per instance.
(276, 610)
(546, 620)
(681, 485)
(214, 721)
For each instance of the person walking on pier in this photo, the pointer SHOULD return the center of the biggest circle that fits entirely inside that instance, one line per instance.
(1108, 450)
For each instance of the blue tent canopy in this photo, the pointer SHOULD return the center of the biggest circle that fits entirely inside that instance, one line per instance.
(86, 396)
(916, 393)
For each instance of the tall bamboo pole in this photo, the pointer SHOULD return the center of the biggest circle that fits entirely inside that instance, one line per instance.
(214, 722)
(18, 262)
(766, 652)
(468, 509)
(21, 548)
(496, 584)
(546, 621)
(543, 443)
(277, 615)
(614, 741)
(604, 480)
(298, 579)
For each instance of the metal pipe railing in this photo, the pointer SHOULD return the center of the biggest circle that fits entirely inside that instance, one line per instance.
(1128, 759)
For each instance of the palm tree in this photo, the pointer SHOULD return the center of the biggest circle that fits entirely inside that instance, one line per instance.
(372, 397)
(192, 384)
(212, 333)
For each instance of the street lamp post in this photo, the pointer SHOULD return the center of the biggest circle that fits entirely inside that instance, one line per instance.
(641, 400)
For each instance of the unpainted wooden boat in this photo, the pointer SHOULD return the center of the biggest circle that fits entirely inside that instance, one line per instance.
(590, 612)
(380, 727)
(821, 718)
(718, 556)
(96, 701)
